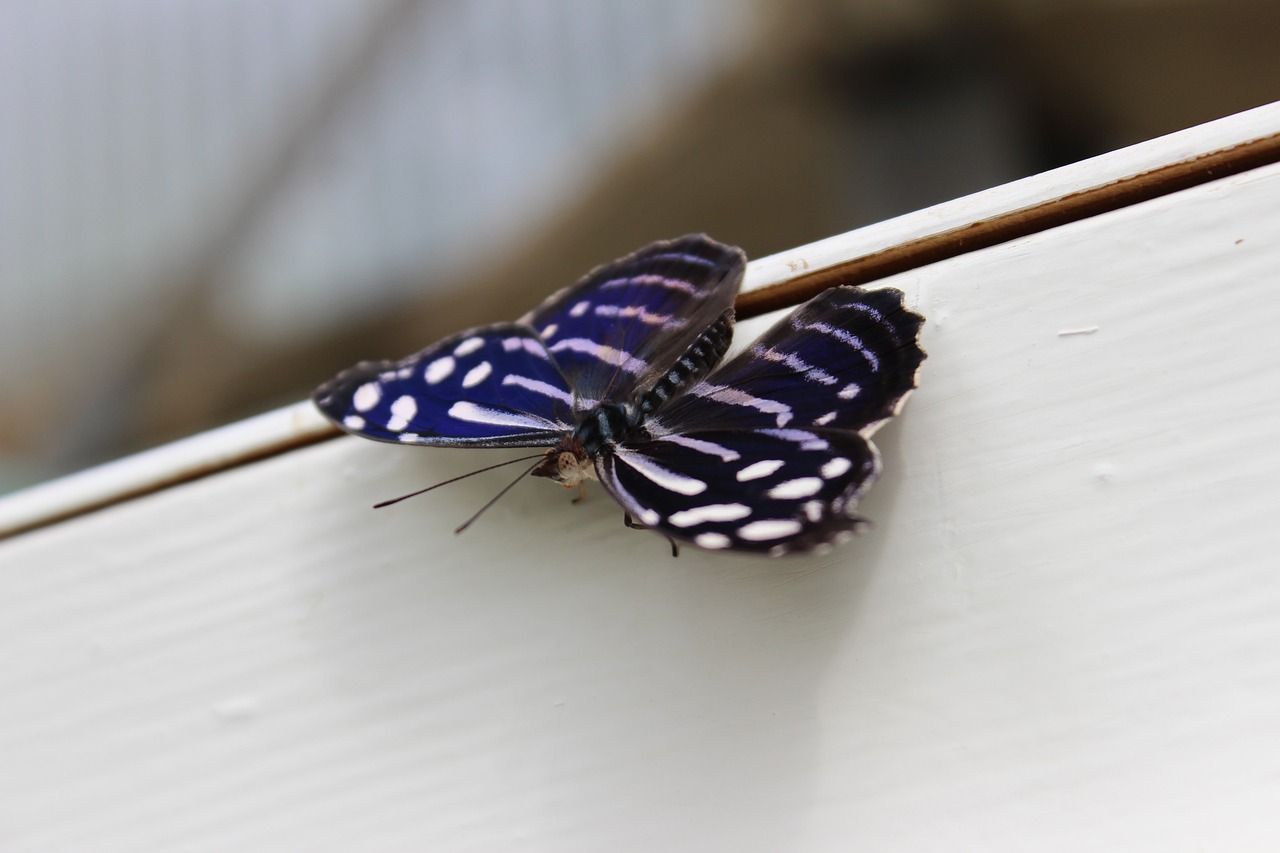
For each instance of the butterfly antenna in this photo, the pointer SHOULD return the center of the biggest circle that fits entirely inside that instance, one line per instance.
(493, 500)
(460, 477)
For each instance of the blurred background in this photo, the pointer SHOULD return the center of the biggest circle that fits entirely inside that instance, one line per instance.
(209, 206)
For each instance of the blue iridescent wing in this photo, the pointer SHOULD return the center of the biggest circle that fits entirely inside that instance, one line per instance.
(772, 451)
(495, 386)
(620, 328)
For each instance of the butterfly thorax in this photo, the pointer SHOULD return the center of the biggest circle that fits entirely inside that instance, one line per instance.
(572, 460)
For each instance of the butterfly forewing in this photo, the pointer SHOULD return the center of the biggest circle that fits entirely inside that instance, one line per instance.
(624, 325)
(496, 386)
(845, 359)
(774, 491)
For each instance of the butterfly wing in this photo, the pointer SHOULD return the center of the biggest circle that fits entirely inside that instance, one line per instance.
(496, 386)
(626, 323)
(773, 491)
(771, 452)
(605, 338)
(845, 359)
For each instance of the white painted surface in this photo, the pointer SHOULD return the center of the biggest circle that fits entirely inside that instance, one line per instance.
(1060, 634)
(181, 460)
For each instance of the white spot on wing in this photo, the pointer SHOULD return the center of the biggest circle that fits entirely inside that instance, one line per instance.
(709, 447)
(477, 374)
(850, 339)
(550, 330)
(710, 512)
(661, 281)
(353, 422)
(806, 440)
(439, 369)
(772, 528)
(836, 467)
(367, 396)
(714, 541)
(579, 309)
(470, 412)
(735, 397)
(813, 511)
(537, 386)
(802, 487)
(826, 419)
(529, 345)
(402, 411)
(638, 312)
(468, 346)
(609, 355)
(756, 470)
(663, 477)
(409, 437)
(793, 361)
(850, 391)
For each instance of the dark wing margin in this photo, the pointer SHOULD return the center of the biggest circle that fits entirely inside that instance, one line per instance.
(494, 386)
(620, 328)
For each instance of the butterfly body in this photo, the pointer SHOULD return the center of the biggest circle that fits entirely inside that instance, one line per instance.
(617, 377)
(572, 461)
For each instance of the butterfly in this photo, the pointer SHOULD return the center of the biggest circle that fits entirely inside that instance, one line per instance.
(616, 377)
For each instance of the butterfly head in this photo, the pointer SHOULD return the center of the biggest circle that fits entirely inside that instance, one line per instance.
(568, 464)
(572, 460)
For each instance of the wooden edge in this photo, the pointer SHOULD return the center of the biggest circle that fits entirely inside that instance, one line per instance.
(300, 425)
(1013, 224)
(164, 467)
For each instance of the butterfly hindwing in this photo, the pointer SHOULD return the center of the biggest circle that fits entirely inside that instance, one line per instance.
(845, 359)
(495, 386)
(627, 322)
(774, 491)
(772, 451)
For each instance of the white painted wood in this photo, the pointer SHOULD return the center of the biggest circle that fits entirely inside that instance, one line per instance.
(172, 463)
(1060, 634)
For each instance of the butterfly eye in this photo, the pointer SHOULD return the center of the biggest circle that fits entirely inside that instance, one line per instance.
(567, 462)
(570, 468)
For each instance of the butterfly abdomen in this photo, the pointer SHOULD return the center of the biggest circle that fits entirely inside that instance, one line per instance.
(698, 360)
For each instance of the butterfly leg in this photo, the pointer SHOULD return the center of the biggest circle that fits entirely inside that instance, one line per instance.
(582, 493)
(630, 522)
